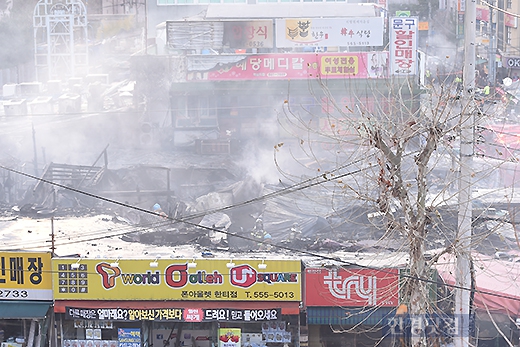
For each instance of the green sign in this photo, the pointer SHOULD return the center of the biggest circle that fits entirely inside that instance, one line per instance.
(402, 13)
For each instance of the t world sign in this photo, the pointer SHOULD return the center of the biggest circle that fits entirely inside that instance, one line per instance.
(351, 287)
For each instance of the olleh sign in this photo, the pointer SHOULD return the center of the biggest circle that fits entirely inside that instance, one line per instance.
(173, 279)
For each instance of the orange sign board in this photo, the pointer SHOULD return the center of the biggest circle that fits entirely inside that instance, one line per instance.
(177, 279)
(424, 25)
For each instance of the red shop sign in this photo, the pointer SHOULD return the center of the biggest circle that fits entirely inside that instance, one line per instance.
(351, 287)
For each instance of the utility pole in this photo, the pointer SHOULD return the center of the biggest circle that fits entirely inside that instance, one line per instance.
(53, 245)
(35, 160)
(467, 126)
(491, 48)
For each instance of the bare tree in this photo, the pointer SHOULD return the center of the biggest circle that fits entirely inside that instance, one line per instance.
(400, 145)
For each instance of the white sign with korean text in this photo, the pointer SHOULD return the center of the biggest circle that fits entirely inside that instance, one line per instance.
(329, 32)
(403, 45)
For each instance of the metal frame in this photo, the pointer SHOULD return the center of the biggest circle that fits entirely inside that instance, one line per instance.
(60, 39)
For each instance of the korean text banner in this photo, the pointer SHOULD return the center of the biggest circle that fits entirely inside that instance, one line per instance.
(173, 314)
(298, 66)
(403, 45)
(351, 287)
(94, 279)
(329, 32)
(25, 276)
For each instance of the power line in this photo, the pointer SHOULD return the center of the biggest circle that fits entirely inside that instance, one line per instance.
(296, 187)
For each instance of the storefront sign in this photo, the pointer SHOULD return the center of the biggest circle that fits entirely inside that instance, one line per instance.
(218, 34)
(483, 13)
(92, 279)
(299, 66)
(248, 34)
(25, 276)
(229, 337)
(403, 46)
(351, 287)
(329, 32)
(510, 21)
(129, 337)
(512, 62)
(124, 314)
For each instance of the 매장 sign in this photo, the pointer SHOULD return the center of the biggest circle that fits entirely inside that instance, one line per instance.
(25, 276)
(320, 32)
(403, 45)
(94, 279)
(351, 287)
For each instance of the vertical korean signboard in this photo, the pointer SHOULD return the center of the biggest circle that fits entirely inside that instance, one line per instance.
(403, 46)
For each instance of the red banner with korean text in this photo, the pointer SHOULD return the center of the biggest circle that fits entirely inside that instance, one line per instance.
(351, 287)
(283, 66)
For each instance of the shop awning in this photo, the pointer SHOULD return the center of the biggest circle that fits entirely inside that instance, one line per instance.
(24, 310)
(349, 316)
(496, 282)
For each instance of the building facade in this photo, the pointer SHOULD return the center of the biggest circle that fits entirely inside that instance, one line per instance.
(211, 302)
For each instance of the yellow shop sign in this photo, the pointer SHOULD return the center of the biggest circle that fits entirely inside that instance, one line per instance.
(177, 279)
(25, 276)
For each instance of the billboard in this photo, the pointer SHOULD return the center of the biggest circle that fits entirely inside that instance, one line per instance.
(176, 279)
(25, 276)
(219, 34)
(351, 287)
(284, 66)
(329, 32)
(403, 45)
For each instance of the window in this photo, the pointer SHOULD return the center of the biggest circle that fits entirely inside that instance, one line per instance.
(196, 111)
(509, 3)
